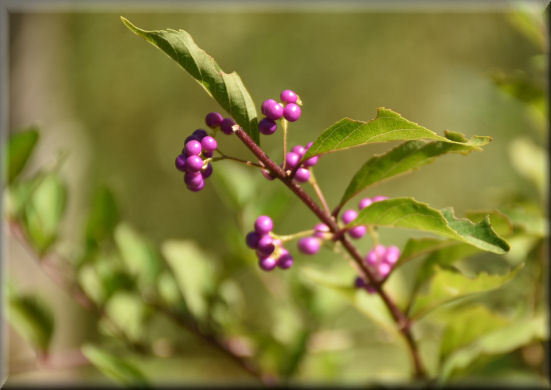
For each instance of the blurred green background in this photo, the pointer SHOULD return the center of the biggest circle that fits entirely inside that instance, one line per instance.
(122, 110)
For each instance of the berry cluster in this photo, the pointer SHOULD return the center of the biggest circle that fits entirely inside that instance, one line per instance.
(215, 119)
(350, 215)
(195, 159)
(270, 251)
(273, 111)
(311, 245)
(380, 260)
(292, 160)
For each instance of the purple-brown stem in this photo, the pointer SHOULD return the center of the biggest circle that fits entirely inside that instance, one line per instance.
(403, 322)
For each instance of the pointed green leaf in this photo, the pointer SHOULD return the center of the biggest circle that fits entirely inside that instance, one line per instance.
(102, 218)
(416, 247)
(44, 211)
(447, 286)
(115, 367)
(500, 222)
(227, 89)
(128, 311)
(17, 151)
(32, 318)
(411, 214)
(387, 126)
(194, 273)
(404, 158)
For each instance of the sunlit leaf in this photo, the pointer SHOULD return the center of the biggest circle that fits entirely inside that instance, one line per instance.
(531, 161)
(17, 151)
(102, 218)
(128, 312)
(227, 89)
(387, 126)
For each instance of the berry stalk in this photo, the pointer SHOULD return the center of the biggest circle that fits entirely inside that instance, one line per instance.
(399, 317)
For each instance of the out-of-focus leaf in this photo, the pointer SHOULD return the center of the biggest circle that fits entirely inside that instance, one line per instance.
(528, 217)
(499, 341)
(411, 214)
(530, 161)
(168, 289)
(227, 89)
(194, 272)
(290, 362)
(17, 151)
(102, 218)
(234, 184)
(139, 256)
(128, 312)
(231, 305)
(387, 126)
(447, 286)
(32, 318)
(115, 367)
(530, 22)
(18, 195)
(416, 247)
(404, 158)
(44, 211)
(91, 283)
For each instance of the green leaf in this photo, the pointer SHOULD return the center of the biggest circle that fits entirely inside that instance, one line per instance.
(194, 273)
(235, 184)
(102, 218)
(416, 247)
(500, 222)
(387, 126)
(499, 341)
(32, 318)
(404, 158)
(139, 256)
(128, 312)
(44, 211)
(17, 151)
(227, 89)
(114, 367)
(411, 214)
(447, 286)
(530, 160)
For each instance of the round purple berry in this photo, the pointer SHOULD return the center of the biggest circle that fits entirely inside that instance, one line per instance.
(226, 126)
(180, 163)
(199, 134)
(267, 263)
(309, 245)
(302, 175)
(193, 179)
(380, 250)
(272, 109)
(209, 144)
(391, 255)
(348, 216)
(299, 149)
(360, 282)
(292, 159)
(371, 258)
(311, 161)
(196, 188)
(207, 154)
(252, 239)
(292, 112)
(308, 145)
(263, 225)
(213, 119)
(207, 171)
(267, 126)
(265, 245)
(285, 260)
(266, 174)
(378, 198)
(190, 138)
(370, 289)
(384, 269)
(364, 203)
(193, 147)
(321, 230)
(194, 163)
(288, 96)
(357, 231)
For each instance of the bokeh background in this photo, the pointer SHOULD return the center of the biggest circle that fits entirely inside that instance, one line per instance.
(121, 110)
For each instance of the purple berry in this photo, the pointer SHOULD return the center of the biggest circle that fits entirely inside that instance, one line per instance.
(263, 225)
(209, 144)
(193, 147)
(378, 198)
(272, 109)
(302, 175)
(299, 149)
(357, 231)
(364, 203)
(292, 112)
(194, 163)
(348, 216)
(392, 255)
(311, 161)
(292, 159)
(213, 119)
(380, 250)
(267, 263)
(321, 230)
(267, 126)
(384, 269)
(181, 163)
(308, 145)
(252, 239)
(360, 282)
(193, 179)
(371, 258)
(265, 245)
(207, 171)
(370, 289)
(288, 96)
(207, 154)
(226, 126)
(190, 138)
(196, 188)
(309, 245)
(285, 260)
(199, 134)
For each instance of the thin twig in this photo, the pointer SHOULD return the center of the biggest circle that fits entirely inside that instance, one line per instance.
(319, 192)
(226, 157)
